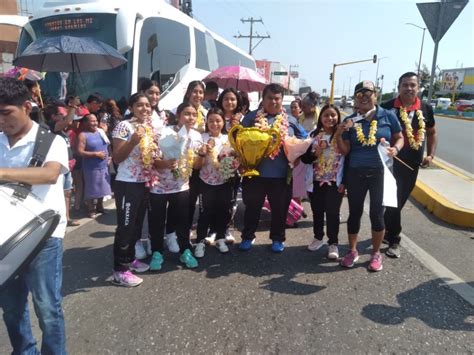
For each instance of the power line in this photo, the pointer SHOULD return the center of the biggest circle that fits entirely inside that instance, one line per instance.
(251, 36)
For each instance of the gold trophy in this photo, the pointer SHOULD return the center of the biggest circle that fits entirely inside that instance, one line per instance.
(252, 145)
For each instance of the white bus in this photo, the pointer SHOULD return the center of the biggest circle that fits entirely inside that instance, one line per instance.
(159, 41)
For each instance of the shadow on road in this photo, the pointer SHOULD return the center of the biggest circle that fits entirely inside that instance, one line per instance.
(436, 312)
(86, 268)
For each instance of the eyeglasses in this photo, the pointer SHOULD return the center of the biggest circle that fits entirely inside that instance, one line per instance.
(362, 94)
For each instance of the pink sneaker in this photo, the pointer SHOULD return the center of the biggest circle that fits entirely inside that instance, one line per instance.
(350, 258)
(139, 266)
(375, 262)
(126, 278)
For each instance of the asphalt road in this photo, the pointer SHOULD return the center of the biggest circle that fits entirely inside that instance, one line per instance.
(456, 142)
(258, 302)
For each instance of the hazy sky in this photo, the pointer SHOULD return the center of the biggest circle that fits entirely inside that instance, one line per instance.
(314, 34)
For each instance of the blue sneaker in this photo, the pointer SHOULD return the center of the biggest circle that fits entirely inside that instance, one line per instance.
(156, 261)
(278, 247)
(246, 244)
(188, 259)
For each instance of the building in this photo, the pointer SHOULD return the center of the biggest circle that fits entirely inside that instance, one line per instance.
(277, 73)
(10, 35)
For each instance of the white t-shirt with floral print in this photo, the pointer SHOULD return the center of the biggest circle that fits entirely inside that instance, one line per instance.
(167, 181)
(209, 172)
(129, 170)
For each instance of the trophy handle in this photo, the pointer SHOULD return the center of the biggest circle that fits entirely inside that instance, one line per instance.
(232, 136)
(276, 141)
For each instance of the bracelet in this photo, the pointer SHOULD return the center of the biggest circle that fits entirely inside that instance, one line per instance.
(398, 149)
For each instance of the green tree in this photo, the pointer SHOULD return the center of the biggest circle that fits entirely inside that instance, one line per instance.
(425, 77)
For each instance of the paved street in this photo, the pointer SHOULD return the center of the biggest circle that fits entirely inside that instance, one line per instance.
(258, 302)
(455, 142)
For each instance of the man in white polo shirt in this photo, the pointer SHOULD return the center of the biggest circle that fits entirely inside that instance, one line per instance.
(43, 276)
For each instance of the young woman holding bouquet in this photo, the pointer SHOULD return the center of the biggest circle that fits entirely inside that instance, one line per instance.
(130, 189)
(327, 194)
(177, 147)
(216, 173)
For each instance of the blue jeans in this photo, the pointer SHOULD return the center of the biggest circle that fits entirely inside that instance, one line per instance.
(43, 278)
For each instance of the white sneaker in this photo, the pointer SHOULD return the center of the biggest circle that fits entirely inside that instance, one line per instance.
(147, 244)
(229, 238)
(211, 238)
(315, 245)
(199, 250)
(333, 252)
(172, 242)
(140, 252)
(222, 246)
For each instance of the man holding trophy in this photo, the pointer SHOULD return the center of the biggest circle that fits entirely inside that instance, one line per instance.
(259, 142)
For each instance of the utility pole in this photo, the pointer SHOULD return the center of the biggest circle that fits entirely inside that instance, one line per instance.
(289, 76)
(251, 36)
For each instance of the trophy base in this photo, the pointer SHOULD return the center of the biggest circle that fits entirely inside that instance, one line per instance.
(251, 173)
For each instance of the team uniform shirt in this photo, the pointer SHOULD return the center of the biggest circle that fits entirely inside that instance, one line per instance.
(278, 167)
(409, 155)
(209, 172)
(368, 156)
(168, 182)
(131, 169)
(18, 156)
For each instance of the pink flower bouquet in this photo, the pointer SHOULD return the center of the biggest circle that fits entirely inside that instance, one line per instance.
(294, 148)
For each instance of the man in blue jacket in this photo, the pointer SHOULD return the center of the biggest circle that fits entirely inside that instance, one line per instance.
(274, 181)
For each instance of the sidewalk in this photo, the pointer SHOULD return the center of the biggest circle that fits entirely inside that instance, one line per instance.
(447, 192)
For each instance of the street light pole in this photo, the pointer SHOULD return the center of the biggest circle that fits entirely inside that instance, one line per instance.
(377, 72)
(422, 42)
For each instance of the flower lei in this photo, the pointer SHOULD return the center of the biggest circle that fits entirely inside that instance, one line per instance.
(324, 166)
(415, 143)
(280, 123)
(185, 165)
(200, 122)
(370, 140)
(148, 152)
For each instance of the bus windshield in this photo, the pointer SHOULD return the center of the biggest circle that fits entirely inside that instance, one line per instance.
(114, 83)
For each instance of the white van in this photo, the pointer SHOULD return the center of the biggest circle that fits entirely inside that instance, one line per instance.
(442, 102)
(286, 102)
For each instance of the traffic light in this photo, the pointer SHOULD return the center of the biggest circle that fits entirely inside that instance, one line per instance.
(375, 58)
(330, 76)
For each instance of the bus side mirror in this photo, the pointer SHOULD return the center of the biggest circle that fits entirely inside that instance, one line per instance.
(125, 29)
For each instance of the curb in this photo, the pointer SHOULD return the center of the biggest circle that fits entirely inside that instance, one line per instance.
(441, 207)
(462, 118)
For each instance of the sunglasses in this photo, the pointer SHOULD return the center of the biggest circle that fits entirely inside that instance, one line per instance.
(362, 94)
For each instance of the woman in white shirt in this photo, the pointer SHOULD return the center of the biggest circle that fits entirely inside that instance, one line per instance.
(130, 189)
(171, 193)
(216, 185)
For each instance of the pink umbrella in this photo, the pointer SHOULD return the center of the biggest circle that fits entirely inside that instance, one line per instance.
(24, 73)
(240, 78)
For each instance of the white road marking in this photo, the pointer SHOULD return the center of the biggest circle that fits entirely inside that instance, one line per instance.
(453, 281)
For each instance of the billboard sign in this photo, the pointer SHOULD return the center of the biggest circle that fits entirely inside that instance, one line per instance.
(452, 80)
